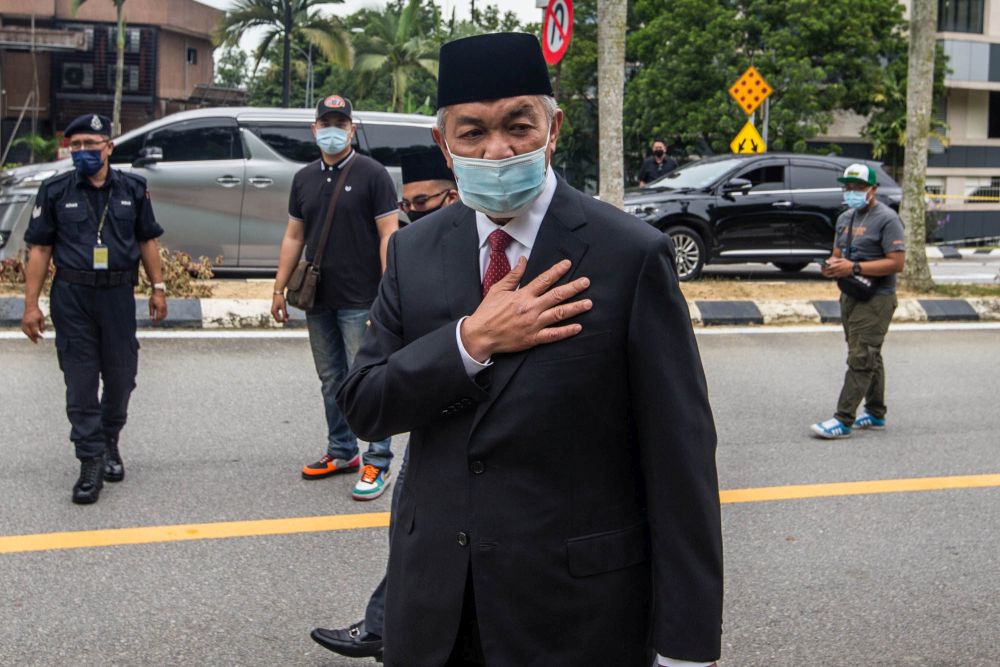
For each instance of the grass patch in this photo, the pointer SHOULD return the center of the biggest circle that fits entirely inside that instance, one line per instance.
(960, 291)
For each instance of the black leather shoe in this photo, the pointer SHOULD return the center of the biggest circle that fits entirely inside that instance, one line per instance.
(88, 487)
(354, 642)
(114, 469)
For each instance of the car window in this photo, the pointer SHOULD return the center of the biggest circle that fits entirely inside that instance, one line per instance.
(386, 142)
(202, 139)
(126, 152)
(769, 177)
(294, 141)
(814, 177)
(697, 174)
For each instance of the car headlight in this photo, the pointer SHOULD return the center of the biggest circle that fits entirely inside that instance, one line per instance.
(641, 210)
(34, 178)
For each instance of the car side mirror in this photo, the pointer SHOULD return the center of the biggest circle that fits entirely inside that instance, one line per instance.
(148, 155)
(736, 185)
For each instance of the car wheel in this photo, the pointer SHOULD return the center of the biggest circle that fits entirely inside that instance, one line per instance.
(791, 267)
(690, 251)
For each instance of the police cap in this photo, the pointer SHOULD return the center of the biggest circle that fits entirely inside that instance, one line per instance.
(90, 123)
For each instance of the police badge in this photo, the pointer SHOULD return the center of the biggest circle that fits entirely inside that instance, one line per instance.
(95, 123)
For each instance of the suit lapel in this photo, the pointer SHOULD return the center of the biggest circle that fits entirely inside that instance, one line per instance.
(555, 242)
(460, 259)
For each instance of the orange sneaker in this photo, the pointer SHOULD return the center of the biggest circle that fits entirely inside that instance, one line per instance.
(328, 465)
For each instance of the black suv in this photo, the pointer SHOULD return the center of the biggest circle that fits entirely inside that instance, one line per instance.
(776, 207)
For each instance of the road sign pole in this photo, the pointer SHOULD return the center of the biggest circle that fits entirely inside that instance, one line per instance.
(766, 117)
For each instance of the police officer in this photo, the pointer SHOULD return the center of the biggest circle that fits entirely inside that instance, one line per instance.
(94, 223)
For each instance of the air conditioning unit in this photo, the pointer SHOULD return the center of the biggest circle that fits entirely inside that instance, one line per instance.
(130, 79)
(77, 76)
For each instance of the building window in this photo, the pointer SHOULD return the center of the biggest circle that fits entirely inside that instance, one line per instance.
(982, 190)
(960, 16)
(132, 39)
(933, 185)
(993, 125)
(192, 56)
(130, 78)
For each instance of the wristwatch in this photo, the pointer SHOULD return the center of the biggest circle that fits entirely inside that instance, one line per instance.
(160, 286)
(856, 269)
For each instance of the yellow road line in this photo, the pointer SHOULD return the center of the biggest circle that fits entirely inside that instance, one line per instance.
(800, 491)
(317, 524)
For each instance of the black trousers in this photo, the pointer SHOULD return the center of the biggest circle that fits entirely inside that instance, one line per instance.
(468, 650)
(95, 341)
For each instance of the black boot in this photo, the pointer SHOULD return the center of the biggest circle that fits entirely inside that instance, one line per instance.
(114, 469)
(88, 488)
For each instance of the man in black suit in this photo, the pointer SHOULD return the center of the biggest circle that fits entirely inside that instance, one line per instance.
(561, 504)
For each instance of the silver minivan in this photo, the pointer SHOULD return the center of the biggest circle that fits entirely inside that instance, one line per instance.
(219, 178)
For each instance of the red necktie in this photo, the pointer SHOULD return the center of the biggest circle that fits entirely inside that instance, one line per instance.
(498, 266)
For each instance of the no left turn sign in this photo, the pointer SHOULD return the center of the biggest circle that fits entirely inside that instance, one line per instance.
(557, 28)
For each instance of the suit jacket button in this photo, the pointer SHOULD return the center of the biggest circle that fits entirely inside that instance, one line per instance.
(463, 539)
(477, 467)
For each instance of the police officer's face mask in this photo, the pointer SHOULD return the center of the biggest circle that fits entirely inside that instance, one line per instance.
(88, 163)
(500, 187)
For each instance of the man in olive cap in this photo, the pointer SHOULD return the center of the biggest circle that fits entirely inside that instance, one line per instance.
(561, 505)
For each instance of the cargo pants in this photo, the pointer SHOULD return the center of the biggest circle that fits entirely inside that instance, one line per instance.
(865, 326)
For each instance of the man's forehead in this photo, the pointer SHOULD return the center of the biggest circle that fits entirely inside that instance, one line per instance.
(415, 188)
(493, 110)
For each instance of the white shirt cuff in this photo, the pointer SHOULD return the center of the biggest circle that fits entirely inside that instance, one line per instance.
(472, 367)
(670, 662)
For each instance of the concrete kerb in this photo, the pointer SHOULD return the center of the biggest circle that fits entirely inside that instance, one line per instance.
(255, 313)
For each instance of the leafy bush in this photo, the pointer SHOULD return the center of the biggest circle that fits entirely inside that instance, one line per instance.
(184, 276)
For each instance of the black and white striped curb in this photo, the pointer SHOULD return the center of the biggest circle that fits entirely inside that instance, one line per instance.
(951, 252)
(256, 313)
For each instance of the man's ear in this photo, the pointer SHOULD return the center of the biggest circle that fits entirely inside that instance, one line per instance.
(312, 126)
(439, 140)
(451, 197)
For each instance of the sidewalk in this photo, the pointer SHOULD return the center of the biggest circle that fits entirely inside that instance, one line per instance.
(255, 313)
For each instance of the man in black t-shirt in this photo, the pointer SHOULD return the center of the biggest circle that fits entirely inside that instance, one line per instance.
(657, 165)
(351, 267)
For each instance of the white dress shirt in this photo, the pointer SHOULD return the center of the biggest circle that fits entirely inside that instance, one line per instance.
(524, 229)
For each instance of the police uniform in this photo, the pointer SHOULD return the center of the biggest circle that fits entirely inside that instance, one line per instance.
(92, 302)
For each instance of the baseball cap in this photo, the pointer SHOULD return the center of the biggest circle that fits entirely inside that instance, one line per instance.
(333, 104)
(859, 173)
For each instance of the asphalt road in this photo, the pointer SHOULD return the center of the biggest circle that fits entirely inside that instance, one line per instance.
(215, 435)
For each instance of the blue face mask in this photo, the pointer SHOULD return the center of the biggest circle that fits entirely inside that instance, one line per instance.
(87, 163)
(331, 140)
(500, 187)
(855, 200)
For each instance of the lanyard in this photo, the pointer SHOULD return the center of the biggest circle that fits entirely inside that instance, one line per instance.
(104, 215)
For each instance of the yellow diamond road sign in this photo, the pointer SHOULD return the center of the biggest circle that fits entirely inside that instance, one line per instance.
(748, 141)
(750, 90)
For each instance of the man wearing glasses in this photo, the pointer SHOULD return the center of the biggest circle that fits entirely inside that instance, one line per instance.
(95, 224)
(428, 183)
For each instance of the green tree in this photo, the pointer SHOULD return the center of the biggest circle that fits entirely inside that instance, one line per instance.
(818, 57)
(286, 19)
(393, 43)
(41, 148)
(231, 68)
(116, 115)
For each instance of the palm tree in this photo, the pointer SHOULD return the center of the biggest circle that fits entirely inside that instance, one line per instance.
(392, 42)
(287, 19)
(116, 127)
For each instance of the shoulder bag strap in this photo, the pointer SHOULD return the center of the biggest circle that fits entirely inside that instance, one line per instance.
(337, 189)
(850, 235)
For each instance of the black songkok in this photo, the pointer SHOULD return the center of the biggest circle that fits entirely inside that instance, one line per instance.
(488, 67)
(425, 165)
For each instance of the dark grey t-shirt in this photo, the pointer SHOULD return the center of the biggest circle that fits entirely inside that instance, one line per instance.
(877, 232)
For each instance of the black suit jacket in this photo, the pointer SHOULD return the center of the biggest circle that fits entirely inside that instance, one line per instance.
(574, 482)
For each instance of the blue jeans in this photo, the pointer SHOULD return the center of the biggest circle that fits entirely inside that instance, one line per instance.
(335, 336)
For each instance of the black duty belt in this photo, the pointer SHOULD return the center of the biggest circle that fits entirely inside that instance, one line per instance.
(99, 278)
